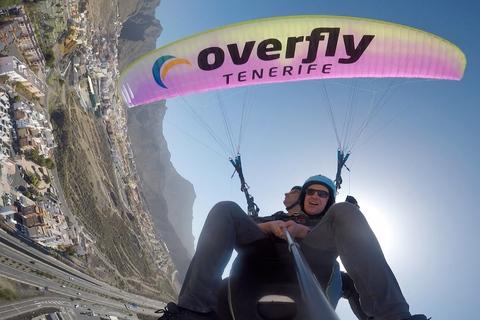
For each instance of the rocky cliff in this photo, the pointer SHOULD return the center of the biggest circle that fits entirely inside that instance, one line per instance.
(168, 196)
(140, 30)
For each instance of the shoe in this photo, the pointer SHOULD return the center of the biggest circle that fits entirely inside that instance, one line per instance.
(418, 317)
(173, 312)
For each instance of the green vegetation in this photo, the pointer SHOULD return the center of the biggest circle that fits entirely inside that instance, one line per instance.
(30, 192)
(6, 3)
(49, 57)
(8, 294)
(51, 79)
(21, 90)
(69, 251)
(34, 156)
(47, 179)
(31, 178)
(44, 274)
(4, 200)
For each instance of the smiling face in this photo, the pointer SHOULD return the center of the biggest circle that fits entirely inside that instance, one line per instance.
(314, 203)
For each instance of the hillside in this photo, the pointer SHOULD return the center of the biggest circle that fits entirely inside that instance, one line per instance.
(117, 235)
(168, 196)
(125, 239)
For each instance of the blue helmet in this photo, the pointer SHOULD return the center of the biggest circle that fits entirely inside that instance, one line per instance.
(319, 179)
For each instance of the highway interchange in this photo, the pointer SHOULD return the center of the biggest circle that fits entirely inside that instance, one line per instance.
(75, 291)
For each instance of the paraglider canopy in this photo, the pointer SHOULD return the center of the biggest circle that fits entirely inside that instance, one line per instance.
(289, 49)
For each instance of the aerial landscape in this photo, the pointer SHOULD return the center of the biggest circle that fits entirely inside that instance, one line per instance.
(72, 188)
(107, 177)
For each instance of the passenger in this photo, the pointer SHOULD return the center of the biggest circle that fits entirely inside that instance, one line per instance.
(342, 231)
(291, 206)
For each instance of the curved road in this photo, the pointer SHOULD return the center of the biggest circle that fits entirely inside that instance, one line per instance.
(17, 259)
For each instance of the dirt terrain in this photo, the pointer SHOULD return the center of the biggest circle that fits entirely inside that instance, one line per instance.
(117, 229)
(115, 226)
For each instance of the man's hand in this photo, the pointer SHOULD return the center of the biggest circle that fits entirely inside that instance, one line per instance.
(275, 228)
(296, 230)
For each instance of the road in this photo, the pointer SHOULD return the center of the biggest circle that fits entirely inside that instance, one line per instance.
(15, 263)
(75, 310)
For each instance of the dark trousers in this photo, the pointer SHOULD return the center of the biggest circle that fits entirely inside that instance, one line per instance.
(227, 228)
(343, 231)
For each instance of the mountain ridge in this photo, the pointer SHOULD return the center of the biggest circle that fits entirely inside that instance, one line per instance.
(168, 196)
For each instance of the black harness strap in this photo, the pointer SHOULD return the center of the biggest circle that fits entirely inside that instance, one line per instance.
(252, 208)
(341, 160)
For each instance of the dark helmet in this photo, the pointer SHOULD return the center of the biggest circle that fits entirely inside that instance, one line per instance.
(319, 179)
(298, 188)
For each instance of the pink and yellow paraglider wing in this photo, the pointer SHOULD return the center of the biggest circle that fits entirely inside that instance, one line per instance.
(289, 49)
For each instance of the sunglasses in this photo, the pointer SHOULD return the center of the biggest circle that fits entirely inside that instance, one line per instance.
(320, 193)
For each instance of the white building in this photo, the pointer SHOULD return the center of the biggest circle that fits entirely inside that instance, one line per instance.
(19, 72)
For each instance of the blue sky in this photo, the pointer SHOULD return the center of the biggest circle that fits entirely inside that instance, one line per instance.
(415, 176)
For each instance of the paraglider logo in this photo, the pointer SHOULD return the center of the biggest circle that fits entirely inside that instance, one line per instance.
(285, 49)
(162, 65)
